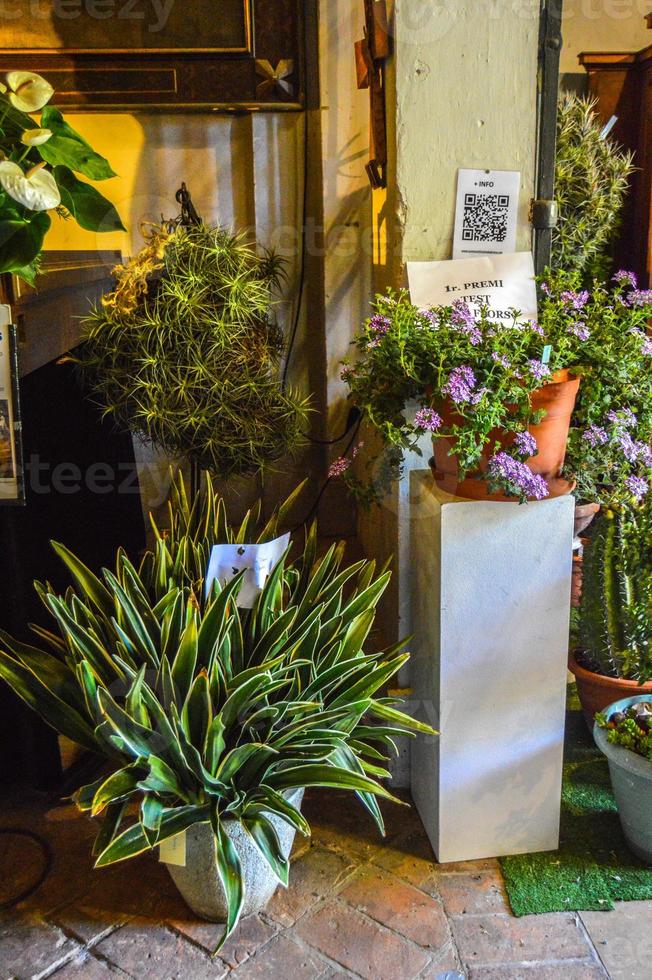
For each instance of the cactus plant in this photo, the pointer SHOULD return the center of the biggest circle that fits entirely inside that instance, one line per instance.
(616, 607)
(206, 712)
(592, 181)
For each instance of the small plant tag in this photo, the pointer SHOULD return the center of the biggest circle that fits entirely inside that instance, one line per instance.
(173, 851)
(547, 354)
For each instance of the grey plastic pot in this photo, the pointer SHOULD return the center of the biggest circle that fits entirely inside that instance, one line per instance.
(199, 882)
(631, 779)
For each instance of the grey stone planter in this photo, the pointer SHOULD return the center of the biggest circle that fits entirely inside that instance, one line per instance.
(199, 882)
(631, 779)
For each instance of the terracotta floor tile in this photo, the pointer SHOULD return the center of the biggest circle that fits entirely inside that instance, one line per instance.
(470, 894)
(282, 959)
(153, 952)
(360, 944)
(86, 967)
(398, 905)
(28, 946)
(312, 877)
(251, 934)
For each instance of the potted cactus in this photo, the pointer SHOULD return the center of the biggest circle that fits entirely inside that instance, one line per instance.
(624, 734)
(614, 657)
(213, 719)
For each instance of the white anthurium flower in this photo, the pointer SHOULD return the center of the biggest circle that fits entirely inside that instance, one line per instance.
(37, 189)
(29, 92)
(35, 137)
(3, 88)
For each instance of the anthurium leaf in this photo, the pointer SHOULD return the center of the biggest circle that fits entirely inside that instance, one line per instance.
(52, 709)
(230, 872)
(89, 208)
(23, 242)
(68, 148)
(266, 840)
(134, 841)
(116, 788)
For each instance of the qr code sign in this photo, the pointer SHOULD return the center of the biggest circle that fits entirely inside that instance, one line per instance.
(485, 217)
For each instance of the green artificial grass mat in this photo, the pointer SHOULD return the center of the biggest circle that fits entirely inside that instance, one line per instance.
(593, 867)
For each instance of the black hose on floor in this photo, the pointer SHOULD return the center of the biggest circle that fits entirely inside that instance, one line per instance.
(47, 865)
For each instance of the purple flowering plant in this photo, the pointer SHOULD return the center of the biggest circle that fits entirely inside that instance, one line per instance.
(452, 373)
(603, 333)
(461, 375)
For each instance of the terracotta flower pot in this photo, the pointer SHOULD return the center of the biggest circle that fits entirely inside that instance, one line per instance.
(596, 692)
(584, 514)
(557, 399)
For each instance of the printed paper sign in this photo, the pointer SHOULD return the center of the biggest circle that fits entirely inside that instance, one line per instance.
(487, 212)
(227, 560)
(10, 485)
(173, 851)
(502, 283)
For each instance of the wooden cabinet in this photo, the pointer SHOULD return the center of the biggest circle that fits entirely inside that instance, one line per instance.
(622, 85)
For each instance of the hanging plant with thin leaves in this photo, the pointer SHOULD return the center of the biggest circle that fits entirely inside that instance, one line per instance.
(206, 712)
(185, 351)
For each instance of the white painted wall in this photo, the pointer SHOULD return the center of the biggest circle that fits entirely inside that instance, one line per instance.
(603, 25)
(465, 96)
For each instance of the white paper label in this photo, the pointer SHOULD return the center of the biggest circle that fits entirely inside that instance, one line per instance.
(227, 560)
(173, 851)
(487, 212)
(502, 283)
(8, 466)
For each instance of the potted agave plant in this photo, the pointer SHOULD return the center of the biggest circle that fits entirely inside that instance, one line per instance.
(39, 167)
(212, 719)
(614, 657)
(623, 732)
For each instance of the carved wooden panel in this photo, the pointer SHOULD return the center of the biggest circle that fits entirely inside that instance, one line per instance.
(163, 54)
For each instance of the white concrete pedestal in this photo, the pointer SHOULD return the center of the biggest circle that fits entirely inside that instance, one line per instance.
(490, 615)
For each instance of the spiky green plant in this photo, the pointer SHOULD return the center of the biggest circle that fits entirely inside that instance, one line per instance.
(208, 712)
(186, 352)
(616, 609)
(592, 181)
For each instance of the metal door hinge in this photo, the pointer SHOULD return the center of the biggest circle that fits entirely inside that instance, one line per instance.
(544, 214)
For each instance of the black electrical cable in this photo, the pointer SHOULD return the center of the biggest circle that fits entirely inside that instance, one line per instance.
(353, 418)
(314, 507)
(47, 865)
(302, 258)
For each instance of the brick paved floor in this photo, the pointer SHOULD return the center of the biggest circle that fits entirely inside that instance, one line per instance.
(356, 907)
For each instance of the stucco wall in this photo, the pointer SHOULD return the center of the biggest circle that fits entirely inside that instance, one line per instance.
(464, 81)
(603, 25)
